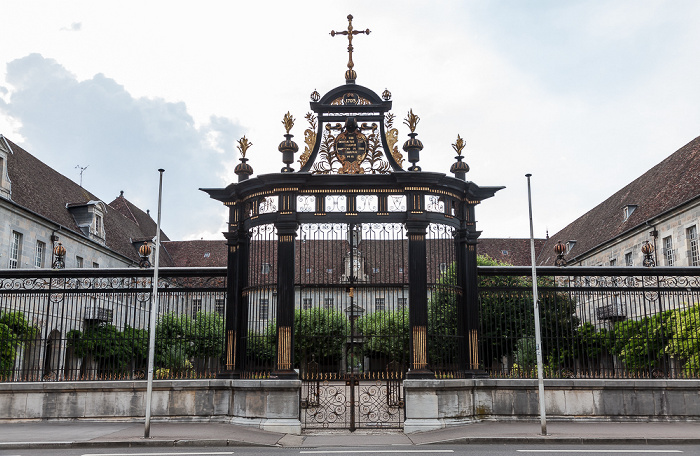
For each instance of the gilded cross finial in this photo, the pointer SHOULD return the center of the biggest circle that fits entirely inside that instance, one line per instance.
(349, 33)
(288, 122)
(243, 145)
(411, 121)
(458, 145)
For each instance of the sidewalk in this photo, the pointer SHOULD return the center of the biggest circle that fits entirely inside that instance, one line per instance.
(81, 434)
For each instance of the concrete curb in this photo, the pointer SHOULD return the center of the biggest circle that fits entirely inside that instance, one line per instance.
(568, 440)
(462, 440)
(128, 444)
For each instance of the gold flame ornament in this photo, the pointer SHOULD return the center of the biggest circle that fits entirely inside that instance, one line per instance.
(243, 145)
(458, 145)
(288, 122)
(411, 121)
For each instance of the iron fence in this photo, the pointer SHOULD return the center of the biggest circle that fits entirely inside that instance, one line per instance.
(601, 322)
(91, 324)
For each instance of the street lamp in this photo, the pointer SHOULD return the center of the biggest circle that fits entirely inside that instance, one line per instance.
(145, 253)
(59, 253)
(648, 251)
(559, 249)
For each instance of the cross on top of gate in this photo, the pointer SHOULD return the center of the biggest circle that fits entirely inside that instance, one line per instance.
(350, 75)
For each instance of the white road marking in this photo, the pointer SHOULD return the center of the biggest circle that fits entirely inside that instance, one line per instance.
(157, 454)
(600, 451)
(376, 451)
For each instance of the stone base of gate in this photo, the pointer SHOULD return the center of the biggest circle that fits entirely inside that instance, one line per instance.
(435, 404)
(272, 405)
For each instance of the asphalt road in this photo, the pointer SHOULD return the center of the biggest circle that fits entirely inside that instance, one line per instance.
(438, 450)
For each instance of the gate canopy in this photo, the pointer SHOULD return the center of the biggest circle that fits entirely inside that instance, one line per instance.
(359, 234)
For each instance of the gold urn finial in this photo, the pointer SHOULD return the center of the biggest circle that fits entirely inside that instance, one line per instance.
(243, 145)
(288, 122)
(411, 121)
(458, 145)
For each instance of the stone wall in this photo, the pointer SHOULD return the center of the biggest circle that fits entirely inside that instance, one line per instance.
(272, 405)
(434, 404)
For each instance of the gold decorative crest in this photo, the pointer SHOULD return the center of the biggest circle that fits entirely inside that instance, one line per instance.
(392, 137)
(309, 138)
(411, 121)
(458, 145)
(243, 145)
(351, 150)
(288, 122)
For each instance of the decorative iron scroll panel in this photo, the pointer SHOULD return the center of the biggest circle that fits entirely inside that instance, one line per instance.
(352, 404)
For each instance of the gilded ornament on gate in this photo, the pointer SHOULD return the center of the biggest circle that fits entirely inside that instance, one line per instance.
(309, 138)
(351, 149)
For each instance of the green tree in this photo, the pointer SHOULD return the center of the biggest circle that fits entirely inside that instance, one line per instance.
(443, 344)
(15, 332)
(173, 342)
(684, 343)
(641, 344)
(386, 334)
(207, 334)
(507, 315)
(320, 334)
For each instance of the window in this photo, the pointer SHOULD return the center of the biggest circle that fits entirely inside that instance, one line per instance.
(95, 265)
(308, 270)
(628, 259)
(15, 250)
(627, 211)
(329, 271)
(379, 304)
(78, 262)
(402, 302)
(307, 303)
(264, 308)
(504, 252)
(265, 269)
(570, 245)
(99, 229)
(691, 235)
(328, 303)
(613, 261)
(220, 306)
(39, 254)
(668, 251)
(443, 267)
(196, 307)
(400, 270)
(375, 270)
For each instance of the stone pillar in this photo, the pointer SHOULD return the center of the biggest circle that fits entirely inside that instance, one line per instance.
(418, 299)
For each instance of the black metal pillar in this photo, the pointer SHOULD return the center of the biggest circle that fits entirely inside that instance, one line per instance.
(470, 325)
(286, 232)
(238, 242)
(418, 300)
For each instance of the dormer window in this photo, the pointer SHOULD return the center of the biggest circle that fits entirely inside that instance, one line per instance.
(627, 211)
(90, 218)
(570, 245)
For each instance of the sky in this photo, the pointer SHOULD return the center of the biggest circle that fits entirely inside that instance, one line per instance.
(584, 95)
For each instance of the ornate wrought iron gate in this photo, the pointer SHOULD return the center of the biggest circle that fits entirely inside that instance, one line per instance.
(353, 271)
(352, 402)
(351, 332)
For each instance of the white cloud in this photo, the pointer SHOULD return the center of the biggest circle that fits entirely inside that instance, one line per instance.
(123, 140)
